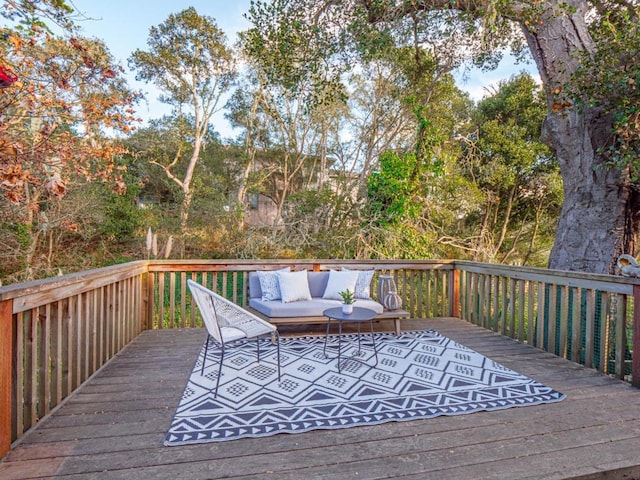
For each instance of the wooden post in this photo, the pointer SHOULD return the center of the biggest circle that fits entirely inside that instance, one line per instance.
(635, 374)
(454, 307)
(6, 373)
(150, 278)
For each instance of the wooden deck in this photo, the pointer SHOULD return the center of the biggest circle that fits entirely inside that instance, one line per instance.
(113, 427)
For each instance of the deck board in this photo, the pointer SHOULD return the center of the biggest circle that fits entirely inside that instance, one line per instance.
(113, 427)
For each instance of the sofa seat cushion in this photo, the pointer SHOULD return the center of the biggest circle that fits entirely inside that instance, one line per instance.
(305, 308)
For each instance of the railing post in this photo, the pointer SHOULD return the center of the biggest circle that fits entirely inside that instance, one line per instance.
(454, 302)
(6, 373)
(635, 373)
(150, 300)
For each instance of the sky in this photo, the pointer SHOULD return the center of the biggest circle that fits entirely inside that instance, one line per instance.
(124, 27)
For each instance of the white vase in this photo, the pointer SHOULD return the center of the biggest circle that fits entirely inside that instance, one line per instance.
(347, 309)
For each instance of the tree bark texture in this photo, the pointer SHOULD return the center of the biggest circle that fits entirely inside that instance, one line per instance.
(591, 228)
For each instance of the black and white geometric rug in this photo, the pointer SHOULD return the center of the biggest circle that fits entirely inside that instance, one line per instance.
(419, 375)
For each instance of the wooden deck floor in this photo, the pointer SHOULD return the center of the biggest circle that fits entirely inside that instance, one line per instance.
(114, 426)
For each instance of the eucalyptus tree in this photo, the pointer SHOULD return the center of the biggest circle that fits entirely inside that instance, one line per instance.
(597, 218)
(189, 61)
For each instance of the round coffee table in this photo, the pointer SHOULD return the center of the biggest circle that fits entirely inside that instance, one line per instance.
(359, 315)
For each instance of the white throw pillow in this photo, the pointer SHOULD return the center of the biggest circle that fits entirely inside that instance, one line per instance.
(363, 285)
(294, 286)
(339, 282)
(269, 284)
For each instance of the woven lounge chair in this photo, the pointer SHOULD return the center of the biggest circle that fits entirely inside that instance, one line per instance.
(227, 322)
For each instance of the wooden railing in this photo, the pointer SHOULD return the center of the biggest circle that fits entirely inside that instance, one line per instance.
(586, 318)
(425, 286)
(55, 333)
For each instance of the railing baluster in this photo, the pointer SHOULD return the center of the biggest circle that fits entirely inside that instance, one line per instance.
(604, 333)
(495, 302)
(57, 353)
(531, 320)
(521, 306)
(100, 312)
(223, 291)
(183, 299)
(7, 355)
(20, 383)
(420, 294)
(503, 307)
(44, 339)
(481, 304)
(590, 317)
(429, 294)
(576, 326)
(564, 321)
(31, 369)
(620, 314)
(512, 307)
(161, 300)
(172, 300)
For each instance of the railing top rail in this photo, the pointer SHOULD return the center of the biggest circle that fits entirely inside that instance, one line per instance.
(267, 264)
(32, 294)
(40, 292)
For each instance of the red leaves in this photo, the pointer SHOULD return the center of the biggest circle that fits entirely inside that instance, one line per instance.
(108, 73)
(67, 82)
(13, 179)
(557, 90)
(7, 77)
(77, 45)
(558, 106)
(56, 187)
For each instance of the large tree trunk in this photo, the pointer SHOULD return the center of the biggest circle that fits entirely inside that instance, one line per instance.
(590, 234)
(591, 228)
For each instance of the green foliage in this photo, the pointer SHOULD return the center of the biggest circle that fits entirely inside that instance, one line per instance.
(393, 191)
(515, 174)
(186, 48)
(348, 297)
(609, 79)
(292, 52)
(403, 186)
(39, 13)
(396, 188)
(122, 218)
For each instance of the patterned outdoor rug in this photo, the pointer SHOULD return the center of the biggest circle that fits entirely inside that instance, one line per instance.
(419, 375)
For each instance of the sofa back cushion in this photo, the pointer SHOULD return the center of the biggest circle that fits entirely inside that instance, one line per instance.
(317, 284)
(254, 285)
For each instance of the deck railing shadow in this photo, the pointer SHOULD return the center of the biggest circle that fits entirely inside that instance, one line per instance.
(56, 333)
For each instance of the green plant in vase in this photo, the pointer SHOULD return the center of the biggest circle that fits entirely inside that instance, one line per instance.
(348, 299)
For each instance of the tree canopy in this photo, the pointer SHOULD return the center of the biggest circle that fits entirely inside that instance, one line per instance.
(58, 117)
(354, 139)
(598, 208)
